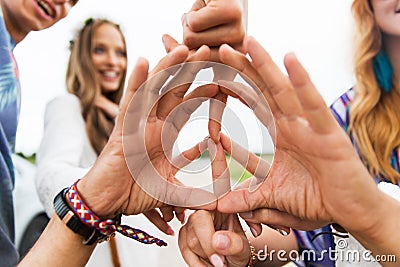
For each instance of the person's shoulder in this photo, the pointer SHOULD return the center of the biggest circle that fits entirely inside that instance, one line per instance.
(344, 101)
(63, 105)
(341, 107)
(69, 100)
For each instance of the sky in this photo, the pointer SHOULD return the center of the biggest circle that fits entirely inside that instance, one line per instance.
(320, 32)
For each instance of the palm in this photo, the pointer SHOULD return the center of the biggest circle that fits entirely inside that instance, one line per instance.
(306, 186)
(308, 154)
(297, 153)
(153, 121)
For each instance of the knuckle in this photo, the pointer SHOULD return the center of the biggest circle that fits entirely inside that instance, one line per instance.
(189, 39)
(201, 214)
(195, 24)
(192, 242)
(233, 12)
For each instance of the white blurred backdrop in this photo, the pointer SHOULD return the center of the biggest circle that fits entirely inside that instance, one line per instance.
(318, 31)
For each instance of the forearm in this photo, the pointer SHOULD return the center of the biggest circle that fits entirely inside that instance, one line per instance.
(58, 246)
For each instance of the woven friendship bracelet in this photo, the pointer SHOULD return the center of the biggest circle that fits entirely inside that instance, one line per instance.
(108, 227)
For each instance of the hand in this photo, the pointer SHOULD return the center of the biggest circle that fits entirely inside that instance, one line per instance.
(213, 237)
(108, 188)
(219, 22)
(110, 108)
(160, 217)
(316, 176)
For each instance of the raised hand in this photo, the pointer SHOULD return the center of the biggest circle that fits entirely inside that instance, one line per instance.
(112, 172)
(313, 155)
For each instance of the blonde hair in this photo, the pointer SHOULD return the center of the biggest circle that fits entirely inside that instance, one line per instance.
(374, 116)
(81, 82)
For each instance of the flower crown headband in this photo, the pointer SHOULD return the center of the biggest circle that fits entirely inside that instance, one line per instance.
(87, 22)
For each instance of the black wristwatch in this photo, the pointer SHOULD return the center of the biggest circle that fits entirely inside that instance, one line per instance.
(67, 215)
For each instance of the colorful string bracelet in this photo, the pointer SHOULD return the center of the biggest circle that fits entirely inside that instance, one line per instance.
(109, 227)
(253, 256)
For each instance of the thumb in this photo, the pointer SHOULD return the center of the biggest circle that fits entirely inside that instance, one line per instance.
(240, 200)
(198, 4)
(233, 246)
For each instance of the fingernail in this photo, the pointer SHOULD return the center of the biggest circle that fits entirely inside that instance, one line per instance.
(216, 260)
(163, 39)
(182, 218)
(228, 47)
(170, 231)
(246, 215)
(282, 232)
(187, 18)
(221, 242)
(254, 232)
(293, 54)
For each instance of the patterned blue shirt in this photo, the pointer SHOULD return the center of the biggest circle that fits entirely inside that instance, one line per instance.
(341, 110)
(9, 108)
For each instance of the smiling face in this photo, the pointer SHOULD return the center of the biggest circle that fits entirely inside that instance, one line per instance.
(109, 57)
(387, 16)
(23, 16)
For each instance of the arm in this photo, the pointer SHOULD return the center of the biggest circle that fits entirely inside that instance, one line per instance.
(58, 246)
(108, 189)
(310, 144)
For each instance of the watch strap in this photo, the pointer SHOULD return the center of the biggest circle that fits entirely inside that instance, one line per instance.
(72, 221)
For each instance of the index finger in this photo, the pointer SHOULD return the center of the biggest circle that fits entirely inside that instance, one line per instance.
(220, 170)
(200, 227)
(176, 89)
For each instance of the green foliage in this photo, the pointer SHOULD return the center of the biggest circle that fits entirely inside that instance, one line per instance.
(31, 158)
(238, 173)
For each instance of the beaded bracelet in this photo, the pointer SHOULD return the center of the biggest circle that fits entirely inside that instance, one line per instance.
(108, 227)
(253, 256)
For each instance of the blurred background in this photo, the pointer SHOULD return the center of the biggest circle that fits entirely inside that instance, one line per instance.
(318, 31)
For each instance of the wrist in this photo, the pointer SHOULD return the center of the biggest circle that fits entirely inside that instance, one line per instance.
(97, 199)
(76, 215)
(385, 221)
(64, 208)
